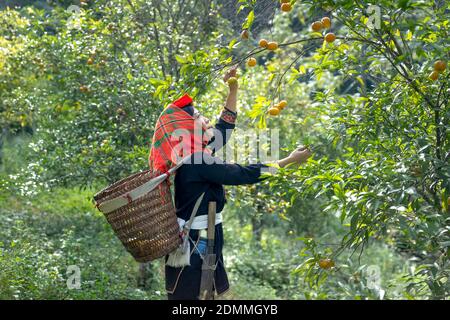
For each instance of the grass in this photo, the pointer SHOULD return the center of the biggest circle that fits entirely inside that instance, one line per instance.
(43, 236)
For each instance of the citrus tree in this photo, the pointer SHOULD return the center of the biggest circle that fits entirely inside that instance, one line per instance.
(384, 169)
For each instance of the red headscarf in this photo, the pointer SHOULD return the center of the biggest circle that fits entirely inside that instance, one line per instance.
(175, 136)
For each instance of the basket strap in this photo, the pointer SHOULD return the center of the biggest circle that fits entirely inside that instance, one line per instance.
(122, 200)
(187, 226)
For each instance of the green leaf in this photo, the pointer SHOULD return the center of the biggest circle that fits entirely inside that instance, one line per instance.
(302, 69)
(249, 20)
(155, 81)
(158, 90)
(232, 43)
(343, 215)
(262, 122)
(180, 59)
(360, 80)
(318, 74)
(409, 35)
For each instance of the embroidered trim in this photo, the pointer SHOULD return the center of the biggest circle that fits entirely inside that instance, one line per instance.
(234, 112)
(228, 116)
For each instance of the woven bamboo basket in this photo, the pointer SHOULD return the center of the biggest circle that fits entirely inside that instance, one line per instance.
(145, 222)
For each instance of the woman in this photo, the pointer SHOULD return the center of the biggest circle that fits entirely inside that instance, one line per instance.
(204, 174)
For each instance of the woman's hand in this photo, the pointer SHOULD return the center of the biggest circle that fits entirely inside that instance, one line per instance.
(299, 156)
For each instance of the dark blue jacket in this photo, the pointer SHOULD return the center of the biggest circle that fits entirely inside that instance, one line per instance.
(191, 180)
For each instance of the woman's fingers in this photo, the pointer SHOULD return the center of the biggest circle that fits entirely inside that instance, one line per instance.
(301, 154)
(230, 73)
(233, 71)
(302, 148)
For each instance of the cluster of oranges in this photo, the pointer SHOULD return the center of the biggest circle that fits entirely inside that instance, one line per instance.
(275, 110)
(263, 43)
(324, 23)
(269, 45)
(316, 26)
(286, 5)
(439, 67)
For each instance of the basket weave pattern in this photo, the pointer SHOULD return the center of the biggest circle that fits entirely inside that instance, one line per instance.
(147, 226)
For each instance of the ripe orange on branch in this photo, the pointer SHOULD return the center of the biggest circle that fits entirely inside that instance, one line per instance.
(263, 43)
(274, 111)
(330, 37)
(84, 89)
(282, 104)
(272, 46)
(316, 26)
(326, 22)
(434, 75)
(286, 7)
(251, 62)
(326, 263)
(244, 34)
(232, 80)
(439, 66)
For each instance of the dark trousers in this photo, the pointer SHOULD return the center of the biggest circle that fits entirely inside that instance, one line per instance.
(184, 283)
